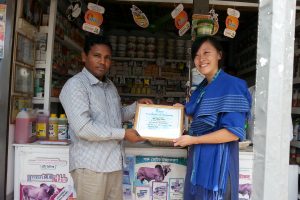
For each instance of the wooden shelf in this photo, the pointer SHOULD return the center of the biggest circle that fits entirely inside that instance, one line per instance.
(54, 100)
(40, 66)
(37, 100)
(70, 44)
(151, 95)
(147, 59)
(295, 144)
(296, 110)
(150, 77)
(138, 95)
(296, 80)
(297, 23)
(43, 29)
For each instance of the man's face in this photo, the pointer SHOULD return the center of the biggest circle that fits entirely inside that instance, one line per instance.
(98, 60)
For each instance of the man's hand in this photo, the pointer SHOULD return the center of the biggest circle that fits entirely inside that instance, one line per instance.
(145, 101)
(132, 135)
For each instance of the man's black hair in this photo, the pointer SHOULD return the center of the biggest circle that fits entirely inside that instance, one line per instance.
(92, 39)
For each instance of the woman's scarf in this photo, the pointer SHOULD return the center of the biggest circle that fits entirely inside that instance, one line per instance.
(211, 161)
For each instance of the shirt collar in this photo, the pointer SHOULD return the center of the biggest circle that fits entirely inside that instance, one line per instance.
(92, 79)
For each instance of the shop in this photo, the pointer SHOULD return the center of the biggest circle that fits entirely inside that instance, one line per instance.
(150, 62)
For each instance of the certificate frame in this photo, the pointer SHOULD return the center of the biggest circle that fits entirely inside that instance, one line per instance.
(153, 121)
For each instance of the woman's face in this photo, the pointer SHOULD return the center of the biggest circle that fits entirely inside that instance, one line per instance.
(206, 60)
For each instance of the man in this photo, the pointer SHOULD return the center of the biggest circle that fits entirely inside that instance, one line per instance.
(95, 115)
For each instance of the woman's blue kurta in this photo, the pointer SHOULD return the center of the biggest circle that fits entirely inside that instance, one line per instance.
(224, 103)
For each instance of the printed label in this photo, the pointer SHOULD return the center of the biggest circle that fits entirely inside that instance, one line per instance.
(62, 132)
(53, 131)
(41, 130)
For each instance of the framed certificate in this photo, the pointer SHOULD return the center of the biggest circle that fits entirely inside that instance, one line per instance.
(159, 122)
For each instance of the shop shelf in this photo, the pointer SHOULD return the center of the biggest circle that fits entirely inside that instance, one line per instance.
(177, 61)
(54, 100)
(67, 42)
(40, 66)
(296, 80)
(297, 23)
(296, 110)
(138, 95)
(153, 95)
(133, 59)
(295, 144)
(37, 100)
(146, 59)
(43, 29)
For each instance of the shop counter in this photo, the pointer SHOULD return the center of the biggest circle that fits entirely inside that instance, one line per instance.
(40, 168)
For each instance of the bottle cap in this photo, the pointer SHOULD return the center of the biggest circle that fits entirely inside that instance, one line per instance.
(62, 116)
(53, 116)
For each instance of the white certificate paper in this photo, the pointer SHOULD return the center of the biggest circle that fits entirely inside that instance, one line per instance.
(159, 122)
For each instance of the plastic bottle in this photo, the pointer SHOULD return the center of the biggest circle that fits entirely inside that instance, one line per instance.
(42, 126)
(53, 127)
(33, 121)
(62, 127)
(23, 127)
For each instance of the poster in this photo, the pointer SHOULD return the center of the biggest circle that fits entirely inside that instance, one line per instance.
(2, 28)
(159, 175)
(245, 176)
(245, 184)
(44, 175)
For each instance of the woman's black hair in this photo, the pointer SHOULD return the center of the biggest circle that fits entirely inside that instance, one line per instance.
(200, 40)
(92, 39)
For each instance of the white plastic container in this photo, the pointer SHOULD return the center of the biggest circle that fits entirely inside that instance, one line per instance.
(62, 127)
(23, 129)
(53, 127)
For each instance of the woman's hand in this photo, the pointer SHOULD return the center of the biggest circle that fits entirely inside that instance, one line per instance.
(145, 101)
(184, 141)
(178, 105)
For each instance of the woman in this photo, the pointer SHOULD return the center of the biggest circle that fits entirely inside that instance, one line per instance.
(219, 108)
